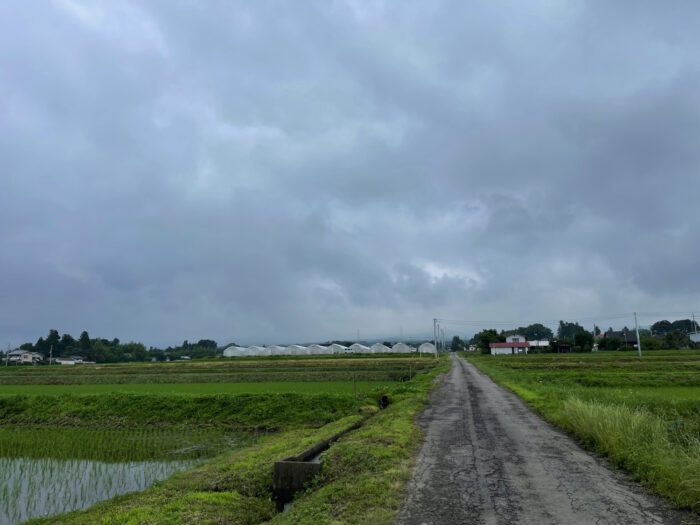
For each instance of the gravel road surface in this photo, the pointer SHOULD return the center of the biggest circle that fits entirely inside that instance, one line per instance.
(488, 459)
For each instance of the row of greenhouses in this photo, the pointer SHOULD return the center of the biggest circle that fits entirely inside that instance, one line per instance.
(357, 348)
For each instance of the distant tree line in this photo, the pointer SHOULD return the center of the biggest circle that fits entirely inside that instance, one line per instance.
(102, 350)
(574, 337)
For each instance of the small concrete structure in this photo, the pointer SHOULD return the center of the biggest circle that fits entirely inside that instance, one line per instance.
(292, 474)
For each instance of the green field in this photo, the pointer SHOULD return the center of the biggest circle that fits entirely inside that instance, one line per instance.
(118, 428)
(642, 413)
(280, 387)
(321, 368)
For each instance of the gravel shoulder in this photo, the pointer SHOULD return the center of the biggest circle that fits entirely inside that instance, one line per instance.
(488, 459)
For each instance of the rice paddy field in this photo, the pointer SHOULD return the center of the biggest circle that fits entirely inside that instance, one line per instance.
(71, 437)
(642, 413)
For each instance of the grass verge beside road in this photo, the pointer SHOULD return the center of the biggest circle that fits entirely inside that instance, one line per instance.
(643, 414)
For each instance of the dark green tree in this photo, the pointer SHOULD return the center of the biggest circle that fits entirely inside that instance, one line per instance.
(568, 330)
(583, 341)
(84, 341)
(486, 337)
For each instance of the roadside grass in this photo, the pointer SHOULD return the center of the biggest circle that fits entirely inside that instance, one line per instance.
(363, 478)
(282, 387)
(643, 414)
(365, 473)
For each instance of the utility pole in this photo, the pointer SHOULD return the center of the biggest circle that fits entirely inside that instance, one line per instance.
(636, 328)
(435, 335)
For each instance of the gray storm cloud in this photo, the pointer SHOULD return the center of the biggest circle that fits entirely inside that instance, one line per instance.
(283, 172)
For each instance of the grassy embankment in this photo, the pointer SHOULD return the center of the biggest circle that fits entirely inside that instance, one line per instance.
(643, 414)
(363, 475)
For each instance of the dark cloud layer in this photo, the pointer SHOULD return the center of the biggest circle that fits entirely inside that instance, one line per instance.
(285, 171)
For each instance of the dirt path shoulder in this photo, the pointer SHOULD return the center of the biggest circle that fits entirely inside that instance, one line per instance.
(488, 459)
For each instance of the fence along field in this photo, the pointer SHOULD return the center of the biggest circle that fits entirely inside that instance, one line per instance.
(642, 413)
(118, 428)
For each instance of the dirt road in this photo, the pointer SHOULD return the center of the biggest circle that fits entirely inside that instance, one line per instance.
(488, 459)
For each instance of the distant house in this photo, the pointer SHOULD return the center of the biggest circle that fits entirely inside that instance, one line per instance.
(628, 337)
(24, 356)
(515, 344)
(65, 361)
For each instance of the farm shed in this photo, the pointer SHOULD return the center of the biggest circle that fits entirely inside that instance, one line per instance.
(357, 348)
(402, 348)
(427, 348)
(379, 348)
(338, 349)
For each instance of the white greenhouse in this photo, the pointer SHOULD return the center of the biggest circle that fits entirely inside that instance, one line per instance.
(427, 348)
(235, 351)
(297, 350)
(357, 348)
(257, 351)
(337, 349)
(318, 349)
(379, 348)
(402, 348)
(277, 350)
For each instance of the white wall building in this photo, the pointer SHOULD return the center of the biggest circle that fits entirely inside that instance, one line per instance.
(515, 344)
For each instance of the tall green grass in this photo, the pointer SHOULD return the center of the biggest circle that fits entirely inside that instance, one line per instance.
(639, 442)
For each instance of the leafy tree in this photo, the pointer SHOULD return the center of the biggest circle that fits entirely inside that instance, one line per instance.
(685, 326)
(485, 337)
(53, 340)
(67, 343)
(661, 327)
(457, 344)
(596, 330)
(208, 343)
(583, 341)
(568, 330)
(84, 341)
(536, 332)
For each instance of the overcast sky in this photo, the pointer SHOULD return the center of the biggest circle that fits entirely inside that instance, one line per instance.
(266, 172)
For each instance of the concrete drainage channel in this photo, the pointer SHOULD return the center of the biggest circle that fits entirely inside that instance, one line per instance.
(292, 474)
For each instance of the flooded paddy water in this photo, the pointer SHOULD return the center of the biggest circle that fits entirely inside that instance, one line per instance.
(48, 472)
